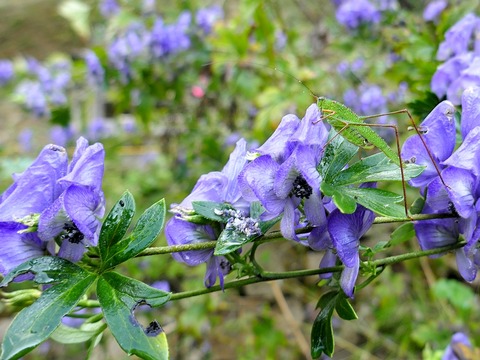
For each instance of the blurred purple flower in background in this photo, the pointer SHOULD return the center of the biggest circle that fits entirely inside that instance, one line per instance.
(206, 17)
(109, 8)
(32, 96)
(25, 138)
(170, 39)
(353, 13)
(457, 338)
(95, 71)
(6, 71)
(433, 10)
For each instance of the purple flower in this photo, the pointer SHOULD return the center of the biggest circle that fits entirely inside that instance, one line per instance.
(345, 232)
(95, 71)
(109, 8)
(282, 184)
(461, 173)
(214, 186)
(448, 72)
(33, 97)
(457, 338)
(206, 17)
(458, 37)
(170, 39)
(438, 132)
(53, 200)
(353, 13)
(32, 191)
(25, 139)
(6, 71)
(434, 9)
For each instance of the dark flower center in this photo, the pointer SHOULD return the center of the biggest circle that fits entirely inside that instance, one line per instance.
(301, 189)
(71, 233)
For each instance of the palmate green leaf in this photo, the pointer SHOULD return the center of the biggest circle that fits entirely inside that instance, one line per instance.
(143, 235)
(377, 167)
(116, 224)
(337, 154)
(119, 296)
(344, 202)
(380, 201)
(34, 324)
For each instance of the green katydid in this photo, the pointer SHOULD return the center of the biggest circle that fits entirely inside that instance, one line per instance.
(354, 129)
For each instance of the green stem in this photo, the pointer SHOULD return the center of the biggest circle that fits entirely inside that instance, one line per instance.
(276, 235)
(269, 276)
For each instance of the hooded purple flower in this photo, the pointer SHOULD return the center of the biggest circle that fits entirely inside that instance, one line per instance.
(214, 186)
(281, 183)
(32, 191)
(345, 232)
(461, 173)
(45, 204)
(438, 132)
(75, 215)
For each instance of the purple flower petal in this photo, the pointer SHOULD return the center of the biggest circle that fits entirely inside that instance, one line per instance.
(289, 220)
(85, 207)
(36, 188)
(432, 234)
(465, 266)
(311, 130)
(258, 179)
(346, 231)
(277, 145)
(349, 277)
(17, 248)
(470, 110)
(180, 232)
(87, 166)
(461, 189)
(467, 156)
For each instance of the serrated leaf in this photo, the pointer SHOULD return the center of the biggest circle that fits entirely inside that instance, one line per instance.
(34, 324)
(209, 209)
(345, 203)
(229, 241)
(322, 340)
(380, 201)
(143, 235)
(336, 156)
(116, 223)
(344, 308)
(119, 296)
(401, 234)
(374, 168)
(68, 335)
